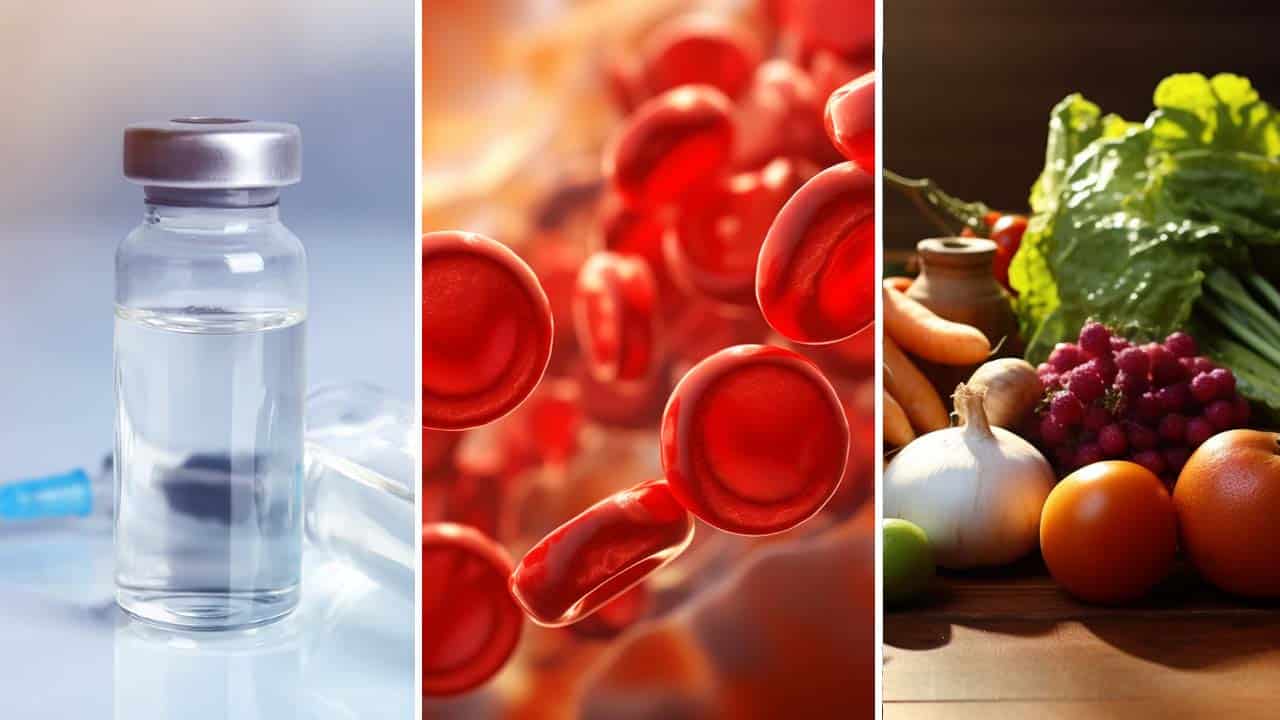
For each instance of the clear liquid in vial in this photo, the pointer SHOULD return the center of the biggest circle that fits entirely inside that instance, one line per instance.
(208, 465)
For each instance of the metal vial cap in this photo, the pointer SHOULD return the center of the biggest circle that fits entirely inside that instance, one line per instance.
(213, 153)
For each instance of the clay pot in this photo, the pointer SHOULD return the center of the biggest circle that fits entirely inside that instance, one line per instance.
(957, 283)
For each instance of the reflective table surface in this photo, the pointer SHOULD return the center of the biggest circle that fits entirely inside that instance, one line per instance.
(346, 652)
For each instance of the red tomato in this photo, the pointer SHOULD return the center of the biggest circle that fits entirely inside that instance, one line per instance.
(1007, 234)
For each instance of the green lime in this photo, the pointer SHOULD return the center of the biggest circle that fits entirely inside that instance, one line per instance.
(908, 561)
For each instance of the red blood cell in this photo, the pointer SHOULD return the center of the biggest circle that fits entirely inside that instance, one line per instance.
(713, 245)
(705, 327)
(624, 83)
(780, 115)
(542, 431)
(854, 357)
(470, 625)
(600, 554)
(851, 121)
(435, 498)
(772, 12)
(754, 440)
(847, 27)
(553, 419)
(486, 330)
(496, 450)
(478, 500)
(627, 405)
(829, 70)
(615, 313)
(815, 279)
(556, 265)
(614, 616)
(437, 449)
(857, 484)
(672, 143)
(631, 231)
(700, 50)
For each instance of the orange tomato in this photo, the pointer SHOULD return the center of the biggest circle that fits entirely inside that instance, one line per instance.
(1108, 532)
(1228, 502)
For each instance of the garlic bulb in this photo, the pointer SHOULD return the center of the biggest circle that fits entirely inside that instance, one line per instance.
(976, 490)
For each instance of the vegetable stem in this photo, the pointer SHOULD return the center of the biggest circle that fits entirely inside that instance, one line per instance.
(969, 405)
(1233, 292)
(943, 210)
(1219, 311)
(1266, 289)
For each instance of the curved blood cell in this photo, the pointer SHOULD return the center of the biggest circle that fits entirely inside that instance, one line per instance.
(830, 70)
(847, 27)
(624, 405)
(700, 50)
(627, 230)
(858, 483)
(623, 82)
(670, 144)
(780, 115)
(470, 624)
(615, 616)
(600, 554)
(555, 263)
(754, 440)
(552, 421)
(615, 312)
(815, 279)
(476, 498)
(486, 330)
(851, 120)
(706, 326)
(712, 246)
(437, 450)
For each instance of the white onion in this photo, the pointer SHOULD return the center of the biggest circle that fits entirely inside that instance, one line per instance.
(976, 490)
(1012, 390)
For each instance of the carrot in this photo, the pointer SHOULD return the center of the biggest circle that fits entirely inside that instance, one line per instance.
(897, 428)
(910, 388)
(927, 336)
(898, 282)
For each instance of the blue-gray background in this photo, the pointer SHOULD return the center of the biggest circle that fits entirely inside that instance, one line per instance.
(73, 74)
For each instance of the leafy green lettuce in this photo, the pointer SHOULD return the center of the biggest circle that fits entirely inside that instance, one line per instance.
(1128, 218)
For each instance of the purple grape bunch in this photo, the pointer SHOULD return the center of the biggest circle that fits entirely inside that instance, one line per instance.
(1107, 398)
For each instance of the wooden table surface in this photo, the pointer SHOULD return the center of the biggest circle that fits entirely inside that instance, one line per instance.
(1011, 644)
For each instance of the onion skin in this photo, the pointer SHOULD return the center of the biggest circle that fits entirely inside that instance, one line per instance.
(976, 490)
(1012, 390)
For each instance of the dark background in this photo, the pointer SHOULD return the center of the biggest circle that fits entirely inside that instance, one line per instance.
(968, 84)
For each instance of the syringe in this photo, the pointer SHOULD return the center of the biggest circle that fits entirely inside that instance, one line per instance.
(53, 501)
(359, 487)
(359, 481)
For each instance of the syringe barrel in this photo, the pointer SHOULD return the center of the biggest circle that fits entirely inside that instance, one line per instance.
(354, 517)
(359, 481)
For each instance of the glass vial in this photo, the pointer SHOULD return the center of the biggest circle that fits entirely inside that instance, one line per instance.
(210, 311)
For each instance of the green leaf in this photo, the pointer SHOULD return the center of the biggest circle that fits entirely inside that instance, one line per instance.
(1073, 124)
(1237, 192)
(1224, 113)
(1129, 217)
